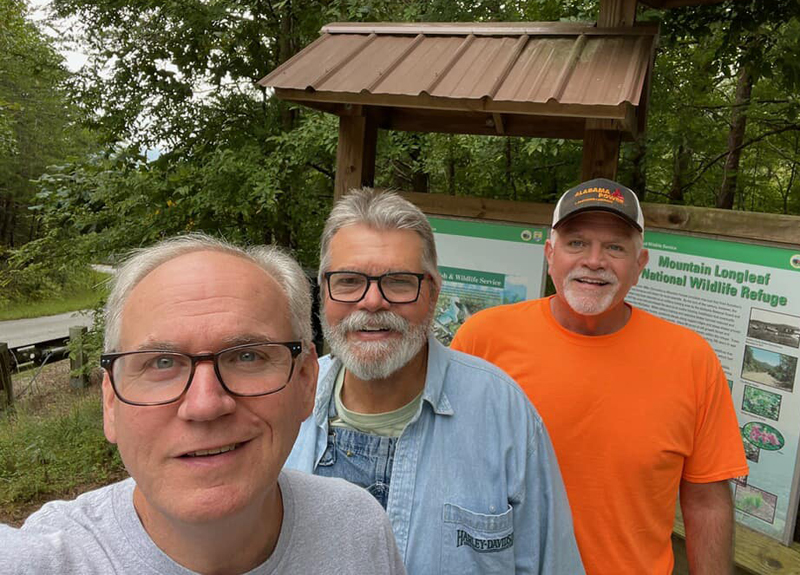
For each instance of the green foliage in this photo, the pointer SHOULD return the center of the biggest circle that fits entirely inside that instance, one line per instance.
(50, 454)
(38, 123)
(192, 143)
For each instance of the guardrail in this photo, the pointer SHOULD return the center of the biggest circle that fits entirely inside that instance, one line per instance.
(13, 359)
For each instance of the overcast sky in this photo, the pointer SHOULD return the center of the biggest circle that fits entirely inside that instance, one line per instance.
(74, 57)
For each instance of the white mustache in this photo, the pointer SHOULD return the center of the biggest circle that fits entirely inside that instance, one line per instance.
(599, 275)
(360, 320)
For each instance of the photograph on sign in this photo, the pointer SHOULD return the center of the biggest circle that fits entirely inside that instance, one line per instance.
(769, 367)
(744, 299)
(774, 327)
(482, 265)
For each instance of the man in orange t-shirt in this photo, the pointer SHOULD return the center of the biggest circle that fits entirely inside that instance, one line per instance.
(637, 407)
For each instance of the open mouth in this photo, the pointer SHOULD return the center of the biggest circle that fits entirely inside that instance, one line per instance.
(213, 451)
(592, 281)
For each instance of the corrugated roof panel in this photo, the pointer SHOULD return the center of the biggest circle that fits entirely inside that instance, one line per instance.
(475, 72)
(536, 72)
(299, 72)
(545, 65)
(602, 71)
(418, 71)
(362, 69)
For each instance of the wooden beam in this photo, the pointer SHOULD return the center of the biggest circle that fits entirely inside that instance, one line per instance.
(355, 154)
(6, 387)
(774, 229)
(425, 101)
(600, 154)
(616, 13)
(727, 224)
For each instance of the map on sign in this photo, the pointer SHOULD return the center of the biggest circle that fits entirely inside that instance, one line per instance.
(482, 265)
(745, 300)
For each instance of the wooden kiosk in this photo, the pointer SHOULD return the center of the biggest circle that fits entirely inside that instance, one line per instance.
(543, 79)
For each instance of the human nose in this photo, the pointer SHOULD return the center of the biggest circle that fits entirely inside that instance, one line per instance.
(206, 399)
(595, 256)
(373, 300)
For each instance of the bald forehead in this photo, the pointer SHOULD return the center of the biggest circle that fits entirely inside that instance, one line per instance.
(210, 282)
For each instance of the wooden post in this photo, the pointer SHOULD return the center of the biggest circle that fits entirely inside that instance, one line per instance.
(355, 156)
(600, 143)
(600, 154)
(77, 358)
(6, 387)
(615, 13)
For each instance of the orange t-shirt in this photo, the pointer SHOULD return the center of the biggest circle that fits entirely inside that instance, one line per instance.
(630, 414)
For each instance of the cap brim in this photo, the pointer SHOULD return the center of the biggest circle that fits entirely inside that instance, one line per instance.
(625, 218)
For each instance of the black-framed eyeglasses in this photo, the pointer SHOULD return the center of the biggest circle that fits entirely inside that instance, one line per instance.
(395, 287)
(153, 377)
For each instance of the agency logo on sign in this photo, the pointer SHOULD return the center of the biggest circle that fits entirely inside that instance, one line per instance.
(794, 261)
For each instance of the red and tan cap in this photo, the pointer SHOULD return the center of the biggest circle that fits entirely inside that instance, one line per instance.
(600, 195)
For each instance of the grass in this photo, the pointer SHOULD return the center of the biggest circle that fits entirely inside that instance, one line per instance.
(52, 445)
(86, 295)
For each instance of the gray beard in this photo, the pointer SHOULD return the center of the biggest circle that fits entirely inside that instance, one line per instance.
(375, 360)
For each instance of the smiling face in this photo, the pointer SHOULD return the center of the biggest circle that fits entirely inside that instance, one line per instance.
(594, 260)
(375, 338)
(209, 455)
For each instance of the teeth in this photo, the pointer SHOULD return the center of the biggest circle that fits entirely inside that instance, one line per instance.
(216, 451)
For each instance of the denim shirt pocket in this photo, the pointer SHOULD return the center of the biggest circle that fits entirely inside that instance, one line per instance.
(329, 457)
(477, 542)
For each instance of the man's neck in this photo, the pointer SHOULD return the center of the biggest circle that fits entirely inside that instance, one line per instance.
(206, 547)
(384, 395)
(608, 322)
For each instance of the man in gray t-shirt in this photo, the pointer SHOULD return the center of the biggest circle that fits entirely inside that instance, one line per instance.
(209, 373)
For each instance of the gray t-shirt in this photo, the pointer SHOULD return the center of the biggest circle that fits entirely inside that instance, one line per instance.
(329, 525)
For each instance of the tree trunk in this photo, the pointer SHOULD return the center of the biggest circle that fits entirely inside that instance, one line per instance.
(744, 87)
(509, 172)
(287, 47)
(639, 177)
(419, 179)
(3, 213)
(682, 158)
(451, 168)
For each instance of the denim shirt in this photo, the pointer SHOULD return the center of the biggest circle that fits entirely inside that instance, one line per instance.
(475, 485)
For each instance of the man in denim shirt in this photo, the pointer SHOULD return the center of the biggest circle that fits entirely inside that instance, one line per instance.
(446, 442)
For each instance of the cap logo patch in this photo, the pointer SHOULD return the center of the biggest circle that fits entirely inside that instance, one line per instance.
(601, 195)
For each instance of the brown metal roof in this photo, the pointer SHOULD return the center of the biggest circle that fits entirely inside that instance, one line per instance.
(544, 69)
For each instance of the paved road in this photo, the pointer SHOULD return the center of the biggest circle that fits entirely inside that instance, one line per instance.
(21, 332)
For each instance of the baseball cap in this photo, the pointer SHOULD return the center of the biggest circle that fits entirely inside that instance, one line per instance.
(600, 195)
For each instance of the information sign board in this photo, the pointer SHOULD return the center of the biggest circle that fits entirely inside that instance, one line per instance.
(745, 300)
(482, 265)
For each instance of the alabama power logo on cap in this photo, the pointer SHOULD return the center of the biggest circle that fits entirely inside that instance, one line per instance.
(602, 195)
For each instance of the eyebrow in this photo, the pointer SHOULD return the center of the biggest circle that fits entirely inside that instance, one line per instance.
(231, 341)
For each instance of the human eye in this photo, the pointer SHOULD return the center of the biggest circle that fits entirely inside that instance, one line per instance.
(400, 280)
(575, 244)
(345, 281)
(158, 366)
(247, 356)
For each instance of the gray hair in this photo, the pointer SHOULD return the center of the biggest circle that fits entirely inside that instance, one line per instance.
(278, 264)
(381, 210)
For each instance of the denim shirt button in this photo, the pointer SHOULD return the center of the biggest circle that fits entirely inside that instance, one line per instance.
(492, 509)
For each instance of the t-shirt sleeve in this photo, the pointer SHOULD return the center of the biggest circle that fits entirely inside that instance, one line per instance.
(465, 337)
(718, 452)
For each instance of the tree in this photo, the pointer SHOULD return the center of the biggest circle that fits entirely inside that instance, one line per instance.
(38, 124)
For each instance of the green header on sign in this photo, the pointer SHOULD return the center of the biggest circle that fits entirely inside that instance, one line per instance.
(489, 231)
(474, 277)
(779, 258)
